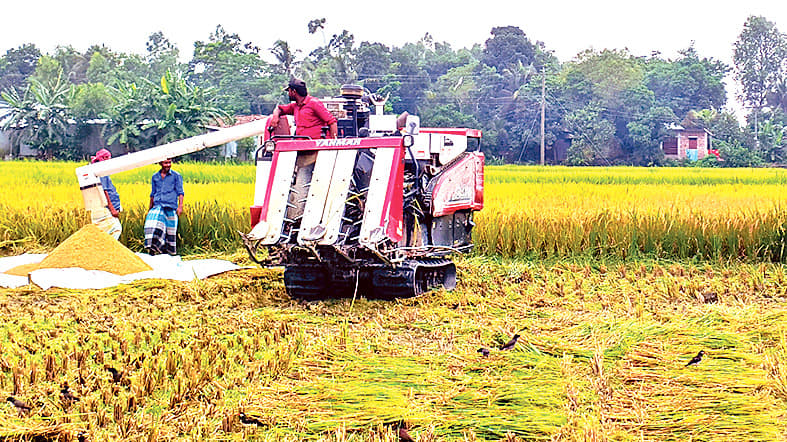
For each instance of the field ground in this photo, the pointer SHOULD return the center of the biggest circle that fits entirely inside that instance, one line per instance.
(602, 357)
(614, 278)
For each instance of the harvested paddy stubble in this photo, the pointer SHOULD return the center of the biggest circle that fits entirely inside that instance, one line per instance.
(601, 356)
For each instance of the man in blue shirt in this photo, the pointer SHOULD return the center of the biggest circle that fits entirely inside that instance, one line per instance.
(110, 224)
(166, 204)
(113, 198)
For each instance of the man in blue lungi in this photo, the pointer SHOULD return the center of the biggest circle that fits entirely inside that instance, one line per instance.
(166, 204)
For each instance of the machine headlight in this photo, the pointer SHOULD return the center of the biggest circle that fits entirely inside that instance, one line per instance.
(269, 146)
(408, 141)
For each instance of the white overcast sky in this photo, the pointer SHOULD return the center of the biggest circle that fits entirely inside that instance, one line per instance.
(565, 27)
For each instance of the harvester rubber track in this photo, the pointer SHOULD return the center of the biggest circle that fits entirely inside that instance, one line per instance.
(411, 278)
(305, 281)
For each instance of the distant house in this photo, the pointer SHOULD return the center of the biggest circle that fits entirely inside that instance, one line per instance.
(6, 144)
(683, 142)
(91, 139)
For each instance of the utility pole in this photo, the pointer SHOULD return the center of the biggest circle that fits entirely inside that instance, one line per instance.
(543, 107)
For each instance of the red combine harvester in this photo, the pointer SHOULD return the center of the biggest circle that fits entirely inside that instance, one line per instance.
(375, 212)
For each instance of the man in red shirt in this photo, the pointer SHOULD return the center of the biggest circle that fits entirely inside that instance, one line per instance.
(310, 114)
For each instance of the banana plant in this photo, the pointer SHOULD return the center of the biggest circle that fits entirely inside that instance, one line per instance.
(772, 141)
(181, 109)
(39, 117)
(127, 116)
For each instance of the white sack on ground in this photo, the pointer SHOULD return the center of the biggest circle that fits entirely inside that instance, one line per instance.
(12, 281)
(164, 267)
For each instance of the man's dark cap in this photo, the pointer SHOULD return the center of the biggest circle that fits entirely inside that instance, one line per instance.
(298, 86)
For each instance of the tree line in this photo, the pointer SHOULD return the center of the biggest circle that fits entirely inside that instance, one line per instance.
(614, 107)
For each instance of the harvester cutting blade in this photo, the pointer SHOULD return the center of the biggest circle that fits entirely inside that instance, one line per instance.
(316, 233)
(251, 246)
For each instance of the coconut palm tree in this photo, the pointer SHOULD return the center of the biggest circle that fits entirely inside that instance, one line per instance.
(285, 56)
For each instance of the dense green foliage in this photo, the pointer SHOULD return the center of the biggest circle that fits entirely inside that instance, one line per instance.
(613, 106)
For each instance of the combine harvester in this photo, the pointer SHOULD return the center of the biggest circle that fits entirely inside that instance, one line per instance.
(376, 212)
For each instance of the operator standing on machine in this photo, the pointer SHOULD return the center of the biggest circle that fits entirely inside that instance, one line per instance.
(310, 114)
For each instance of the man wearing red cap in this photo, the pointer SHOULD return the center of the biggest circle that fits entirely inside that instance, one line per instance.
(310, 114)
(111, 224)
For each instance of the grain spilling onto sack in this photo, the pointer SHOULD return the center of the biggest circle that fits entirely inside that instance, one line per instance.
(89, 248)
(22, 270)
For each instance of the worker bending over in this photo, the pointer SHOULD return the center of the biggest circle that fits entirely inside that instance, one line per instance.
(110, 224)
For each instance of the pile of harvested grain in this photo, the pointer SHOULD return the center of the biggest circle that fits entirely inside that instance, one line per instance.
(90, 248)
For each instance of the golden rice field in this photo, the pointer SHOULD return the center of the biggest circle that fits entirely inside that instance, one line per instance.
(601, 271)
(667, 213)
(675, 213)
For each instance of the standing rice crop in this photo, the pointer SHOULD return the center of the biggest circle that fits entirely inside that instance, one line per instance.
(529, 211)
(623, 212)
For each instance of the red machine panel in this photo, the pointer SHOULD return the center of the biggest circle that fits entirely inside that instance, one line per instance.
(460, 186)
(394, 199)
(337, 144)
